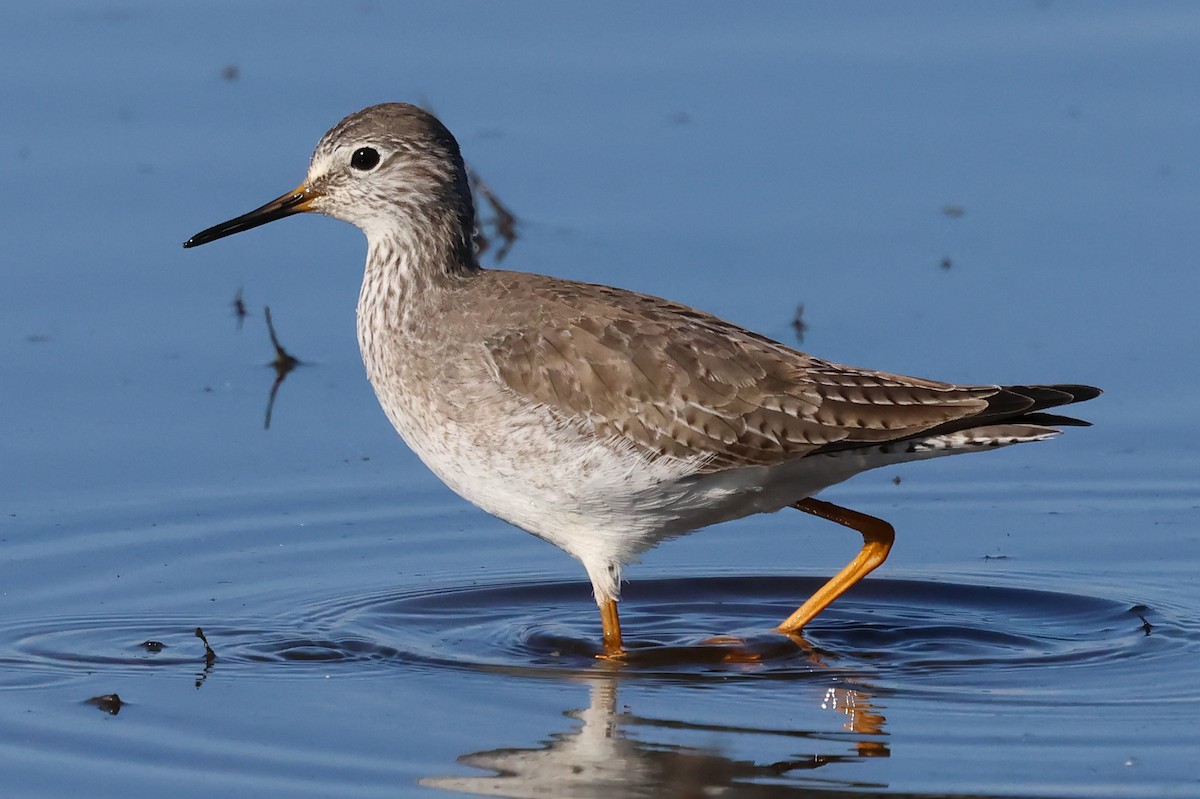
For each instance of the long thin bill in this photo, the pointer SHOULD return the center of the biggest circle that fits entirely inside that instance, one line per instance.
(294, 202)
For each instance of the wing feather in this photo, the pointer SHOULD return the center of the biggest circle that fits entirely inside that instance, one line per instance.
(670, 380)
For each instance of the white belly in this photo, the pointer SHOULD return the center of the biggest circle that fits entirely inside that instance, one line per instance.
(601, 502)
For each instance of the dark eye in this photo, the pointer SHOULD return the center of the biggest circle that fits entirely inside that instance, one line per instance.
(365, 158)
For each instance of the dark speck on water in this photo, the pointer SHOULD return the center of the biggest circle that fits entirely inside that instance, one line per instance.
(239, 308)
(799, 326)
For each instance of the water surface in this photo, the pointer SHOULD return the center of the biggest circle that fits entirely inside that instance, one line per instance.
(1003, 193)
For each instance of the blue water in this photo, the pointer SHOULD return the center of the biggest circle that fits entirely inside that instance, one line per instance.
(1034, 632)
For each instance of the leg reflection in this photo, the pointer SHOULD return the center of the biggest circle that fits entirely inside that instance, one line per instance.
(612, 751)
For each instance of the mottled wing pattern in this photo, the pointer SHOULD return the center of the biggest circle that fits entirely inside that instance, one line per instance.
(672, 380)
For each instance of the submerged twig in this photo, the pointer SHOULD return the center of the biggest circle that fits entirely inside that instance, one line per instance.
(1140, 611)
(210, 657)
(504, 222)
(284, 362)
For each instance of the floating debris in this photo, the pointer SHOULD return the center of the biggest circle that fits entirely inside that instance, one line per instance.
(1140, 611)
(210, 657)
(230, 72)
(953, 211)
(209, 654)
(946, 263)
(109, 703)
(897, 480)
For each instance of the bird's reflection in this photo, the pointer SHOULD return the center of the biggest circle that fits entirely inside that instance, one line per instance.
(612, 752)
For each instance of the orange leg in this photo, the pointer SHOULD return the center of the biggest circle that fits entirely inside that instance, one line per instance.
(877, 535)
(612, 628)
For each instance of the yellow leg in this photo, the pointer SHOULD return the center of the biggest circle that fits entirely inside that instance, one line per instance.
(612, 628)
(877, 535)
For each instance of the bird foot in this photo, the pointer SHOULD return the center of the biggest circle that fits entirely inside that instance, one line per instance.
(716, 649)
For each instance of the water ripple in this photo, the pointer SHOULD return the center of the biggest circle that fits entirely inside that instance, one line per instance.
(901, 636)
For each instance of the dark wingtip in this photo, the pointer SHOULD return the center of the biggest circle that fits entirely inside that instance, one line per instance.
(1080, 393)
(1048, 396)
(1052, 396)
(1054, 420)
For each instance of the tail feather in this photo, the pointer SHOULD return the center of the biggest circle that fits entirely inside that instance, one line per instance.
(1014, 414)
(1054, 395)
(1054, 420)
(1023, 404)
